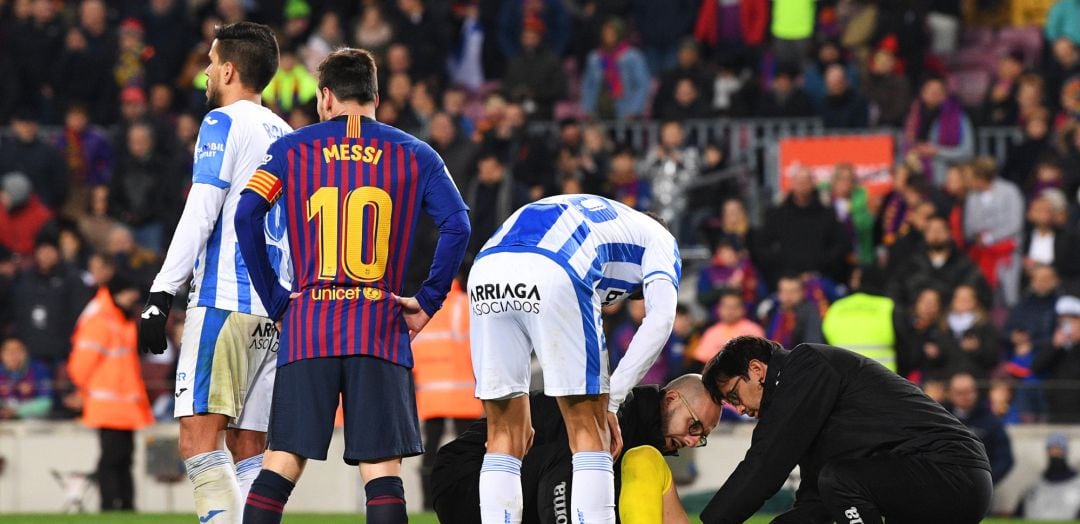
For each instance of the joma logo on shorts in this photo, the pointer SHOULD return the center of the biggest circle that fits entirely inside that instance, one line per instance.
(558, 503)
(501, 291)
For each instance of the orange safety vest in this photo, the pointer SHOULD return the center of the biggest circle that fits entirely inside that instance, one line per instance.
(442, 366)
(104, 366)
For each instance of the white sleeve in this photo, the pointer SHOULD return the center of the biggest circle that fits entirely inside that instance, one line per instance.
(201, 212)
(661, 298)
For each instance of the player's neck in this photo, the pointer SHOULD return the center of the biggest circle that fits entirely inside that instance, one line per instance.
(230, 98)
(353, 108)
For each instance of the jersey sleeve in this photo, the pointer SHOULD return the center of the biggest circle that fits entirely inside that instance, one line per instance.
(213, 144)
(442, 201)
(662, 260)
(441, 196)
(267, 181)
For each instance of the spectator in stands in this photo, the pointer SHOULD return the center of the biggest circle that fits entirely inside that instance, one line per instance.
(999, 399)
(625, 184)
(993, 225)
(513, 17)
(729, 269)
(492, 196)
(35, 40)
(27, 153)
(730, 312)
(671, 167)
(910, 241)
(327, 37)
(615, 81)
(466, 62)
(938, 265)
(1023, 157)
(970, 342)
(733, 222)
(144, 192)
(1030, 96)
(1063, 21)
(1053, 495)
(801, 234)
(682, 343)
(292, 85)
(84, 77)
(9, 269)
(789, 318)
(784, 98)
(134, 110)
(170, 35)
(422, 29)
(965, 405)
(863, 321)
(624, 333)
(891, 221)
(661, 26)
(686, 103)
(1000, 106)
(888, 92)
(1059, 363)
(918, 357)
(25, 384)
(688, 67)
(952, 197)
(95, 222)
(104, 366)
(791, 28)
(22, 215)
(457, 151)
(48, 297)
(1064, 64)
(372, 31)
(1045, 242)
(535, 75)
(524, 153)
(815, 83)
(937, 130)
(88, 154)
(850, 202)
(130, 67)
(1030, 327)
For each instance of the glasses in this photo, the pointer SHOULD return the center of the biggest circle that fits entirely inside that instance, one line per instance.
(697, 429)
(732, 396)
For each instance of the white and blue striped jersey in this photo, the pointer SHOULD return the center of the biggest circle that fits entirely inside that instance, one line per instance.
(232, 143)
(607, 245)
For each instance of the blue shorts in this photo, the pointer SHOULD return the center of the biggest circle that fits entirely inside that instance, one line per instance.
(378, 401)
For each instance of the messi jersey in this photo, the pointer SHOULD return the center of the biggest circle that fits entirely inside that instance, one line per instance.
(607, 245)
(352, 190)
(232, 142)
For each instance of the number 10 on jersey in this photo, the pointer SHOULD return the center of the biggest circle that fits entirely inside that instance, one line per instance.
(354, 234)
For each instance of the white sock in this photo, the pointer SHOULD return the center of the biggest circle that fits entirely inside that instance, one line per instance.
(592, 497)
(246, 471)
(217, 494)
(500, 489)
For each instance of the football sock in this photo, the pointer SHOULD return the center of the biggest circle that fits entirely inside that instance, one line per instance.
(267, 498)
(500, 489)
(646, 478)
(592, 496)
(246, 471)
(217, 494)
(385, 501)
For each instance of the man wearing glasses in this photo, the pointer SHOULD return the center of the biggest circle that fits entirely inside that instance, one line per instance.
(654, 422)
(869, 444)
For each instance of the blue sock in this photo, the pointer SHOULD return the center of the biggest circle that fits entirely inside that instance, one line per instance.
(386, 501)
(267, 498)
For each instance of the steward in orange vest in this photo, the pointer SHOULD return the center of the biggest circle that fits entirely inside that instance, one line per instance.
(442, 365)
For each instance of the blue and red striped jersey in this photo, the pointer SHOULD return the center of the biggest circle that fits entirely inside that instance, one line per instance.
(353, 189)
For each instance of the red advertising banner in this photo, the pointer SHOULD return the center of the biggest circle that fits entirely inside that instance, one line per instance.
(871, 155)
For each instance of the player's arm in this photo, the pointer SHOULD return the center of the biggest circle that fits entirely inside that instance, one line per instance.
(799, 408)
(210, 184)
(262, 190)
(661, 297)
(443, 202)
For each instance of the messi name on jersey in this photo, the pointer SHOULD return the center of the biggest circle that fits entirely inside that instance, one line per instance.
(355, 152)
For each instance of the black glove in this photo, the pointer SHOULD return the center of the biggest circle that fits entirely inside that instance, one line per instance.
(152, 326)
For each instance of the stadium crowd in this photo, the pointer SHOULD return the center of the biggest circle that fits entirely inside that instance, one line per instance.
(967, 267)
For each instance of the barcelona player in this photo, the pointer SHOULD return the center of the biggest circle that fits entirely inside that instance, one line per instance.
(353, 189)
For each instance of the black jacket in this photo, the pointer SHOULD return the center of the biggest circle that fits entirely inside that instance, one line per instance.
(797, 239)
(918, 273)
(991, 432)
(822, 404)
(546, 471)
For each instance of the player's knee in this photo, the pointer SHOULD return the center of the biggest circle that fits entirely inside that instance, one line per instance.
(835, 481)
(244, 443)
(644, 463)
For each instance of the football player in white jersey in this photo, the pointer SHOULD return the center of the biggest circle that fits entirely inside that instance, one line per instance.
(225, 374)
(538, 285)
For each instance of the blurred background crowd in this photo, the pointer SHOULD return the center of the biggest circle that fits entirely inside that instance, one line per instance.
(962, 276)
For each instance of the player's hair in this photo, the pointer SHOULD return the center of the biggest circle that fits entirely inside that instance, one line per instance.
(657, 218)
(252, 49)
(734, 361)
(349, 73)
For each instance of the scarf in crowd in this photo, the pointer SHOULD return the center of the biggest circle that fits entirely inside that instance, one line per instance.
(956, 224)
(609, 60)
(949, 122)
(894, 217)
(989, 257)
(782, 327)
(75, 155)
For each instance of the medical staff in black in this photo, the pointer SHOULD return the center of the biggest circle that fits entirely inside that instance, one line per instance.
(868, 443)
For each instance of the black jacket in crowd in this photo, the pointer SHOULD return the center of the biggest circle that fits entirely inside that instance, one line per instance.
(546, 471)
(823, 404)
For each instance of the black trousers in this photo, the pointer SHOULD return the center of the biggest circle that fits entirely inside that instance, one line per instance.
(114, 469)
(433, 432)
(898, 489)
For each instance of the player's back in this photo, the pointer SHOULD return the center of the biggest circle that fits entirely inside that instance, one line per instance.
(232, 143)
(352, 189)
(606, 244)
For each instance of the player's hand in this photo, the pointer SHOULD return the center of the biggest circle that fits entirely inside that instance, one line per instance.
(415, 317)
(616, 435)
(152, 323)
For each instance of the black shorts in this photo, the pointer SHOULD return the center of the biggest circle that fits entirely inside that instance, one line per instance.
(378, 401)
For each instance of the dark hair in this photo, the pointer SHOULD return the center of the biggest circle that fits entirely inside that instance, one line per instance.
(728, 292)
(252, 49)
(657, 218)
(734, 361)
(349, 73)
(489, 154)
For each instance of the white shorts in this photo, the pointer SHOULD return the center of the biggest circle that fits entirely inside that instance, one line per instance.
(525, 302)
(227, 365)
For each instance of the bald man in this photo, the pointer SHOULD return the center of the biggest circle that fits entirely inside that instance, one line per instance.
(654, 422)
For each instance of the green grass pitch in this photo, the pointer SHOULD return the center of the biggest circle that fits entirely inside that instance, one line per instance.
(424, 518)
